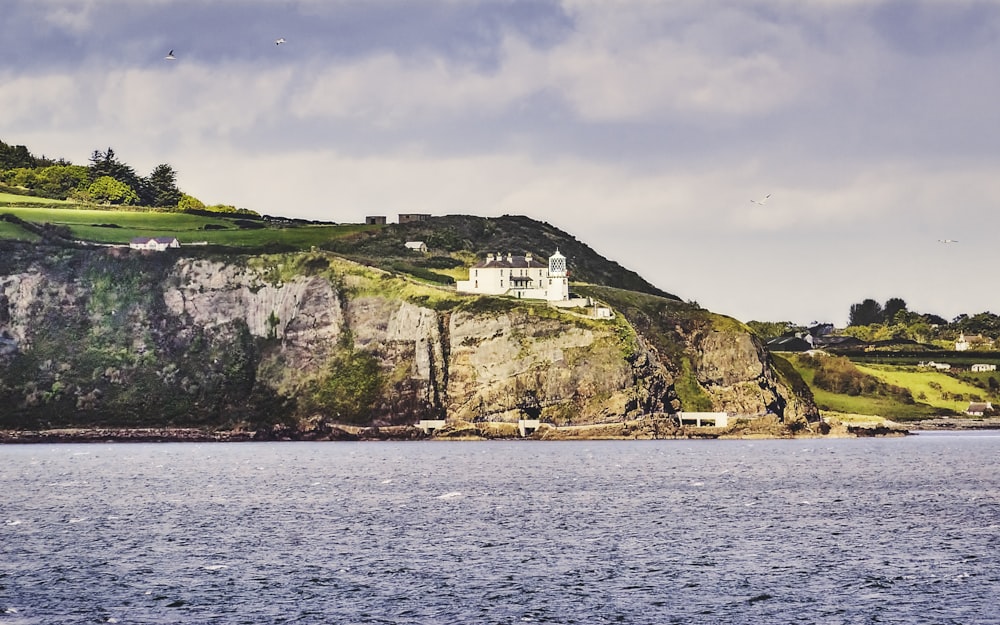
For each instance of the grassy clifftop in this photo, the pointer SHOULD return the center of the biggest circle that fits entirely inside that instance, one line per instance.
(455, 241)
(468, 238)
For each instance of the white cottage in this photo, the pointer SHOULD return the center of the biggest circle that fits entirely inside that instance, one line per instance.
(519, 276)
(158, 244)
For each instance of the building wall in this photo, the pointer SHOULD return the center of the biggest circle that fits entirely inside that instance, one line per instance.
(408, 217)
(497, 281)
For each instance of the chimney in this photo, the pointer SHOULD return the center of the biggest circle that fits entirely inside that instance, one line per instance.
(527, 257)
(510, 257)
(489, 258)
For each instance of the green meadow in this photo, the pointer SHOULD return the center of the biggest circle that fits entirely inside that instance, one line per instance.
(864, 405)
(16, 232)
(934, 393)
(931, 387)
(13, 199)
(120, 226)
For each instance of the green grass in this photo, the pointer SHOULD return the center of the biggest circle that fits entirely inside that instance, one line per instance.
(862, 405)
(90, 225)
(934, 393)
(13, 198)
(920, 382)
(16, 232)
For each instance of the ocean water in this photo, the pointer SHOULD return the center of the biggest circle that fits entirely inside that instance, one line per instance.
(902, 530)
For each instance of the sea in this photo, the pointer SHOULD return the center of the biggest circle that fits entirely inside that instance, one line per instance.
(853, 531)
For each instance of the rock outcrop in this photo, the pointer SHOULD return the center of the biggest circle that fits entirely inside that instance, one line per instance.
(119, 338)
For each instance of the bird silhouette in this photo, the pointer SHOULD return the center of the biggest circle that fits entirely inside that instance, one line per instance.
(947, 241)
(761, 201)
(279, 41)
(170, 56)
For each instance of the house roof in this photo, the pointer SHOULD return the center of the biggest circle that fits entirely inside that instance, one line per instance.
(788, 344)
(978, 406)
(838, 341)
(144, 240)
(510, 261)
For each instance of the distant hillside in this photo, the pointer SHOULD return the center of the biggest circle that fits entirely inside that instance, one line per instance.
(478, 236)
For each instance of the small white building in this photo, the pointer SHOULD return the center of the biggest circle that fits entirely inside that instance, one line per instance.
(984, 367)
(978, 408)
(704, 419)
(961, 344)
(519, 276)
(940, 366)
(416, 246)
(157, 244)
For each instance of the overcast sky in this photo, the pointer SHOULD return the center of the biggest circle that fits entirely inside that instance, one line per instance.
(644, 128)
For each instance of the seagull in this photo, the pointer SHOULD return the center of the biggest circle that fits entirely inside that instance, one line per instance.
(170, 56)
(947, 241)
(761, 202)
(279, 41)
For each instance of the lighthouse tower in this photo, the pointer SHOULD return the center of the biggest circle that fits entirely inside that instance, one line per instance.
(557, 289)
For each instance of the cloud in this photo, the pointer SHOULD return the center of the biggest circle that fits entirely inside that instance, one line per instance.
(643, 128)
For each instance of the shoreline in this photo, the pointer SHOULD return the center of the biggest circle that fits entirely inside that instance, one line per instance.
(412, 433)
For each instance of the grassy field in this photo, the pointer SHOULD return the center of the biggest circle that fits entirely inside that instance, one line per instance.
(7, 199)
(862, 405)
(16, 232)
(934, 393)
(929, 387)
(120, 226)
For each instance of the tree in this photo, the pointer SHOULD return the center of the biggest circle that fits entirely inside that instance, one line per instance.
(981, 323)
(893, 305)
(60, 180)
(21, 177)
(772, 329)
(161, 188)
(13, 156)
(107, 164)
(189, 202)
(934, 320)
(107, 189)
(866, 313)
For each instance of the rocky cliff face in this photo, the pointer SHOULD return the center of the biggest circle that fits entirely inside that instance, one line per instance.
(125, 338)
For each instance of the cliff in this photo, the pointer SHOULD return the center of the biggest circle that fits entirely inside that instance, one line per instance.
(311, 342)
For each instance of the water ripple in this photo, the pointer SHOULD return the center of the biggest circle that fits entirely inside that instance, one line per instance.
(893, 531)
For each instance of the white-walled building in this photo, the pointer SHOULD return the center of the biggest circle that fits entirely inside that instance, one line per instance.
(519, 276)
(158, 244)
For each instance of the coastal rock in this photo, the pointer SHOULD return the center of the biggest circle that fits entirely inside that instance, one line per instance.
(268, 344)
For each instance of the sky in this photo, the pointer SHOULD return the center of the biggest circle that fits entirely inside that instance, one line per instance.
(647, 129)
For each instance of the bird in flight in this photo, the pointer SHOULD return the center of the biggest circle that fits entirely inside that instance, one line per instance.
(761, 201)
(279, 41)
(170, 56)
(947, 241)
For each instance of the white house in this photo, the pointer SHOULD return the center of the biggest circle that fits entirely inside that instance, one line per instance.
(978, 408)
(416, 246)
(158, 244)
(519, 276)
(941, 366)
(984, 367)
